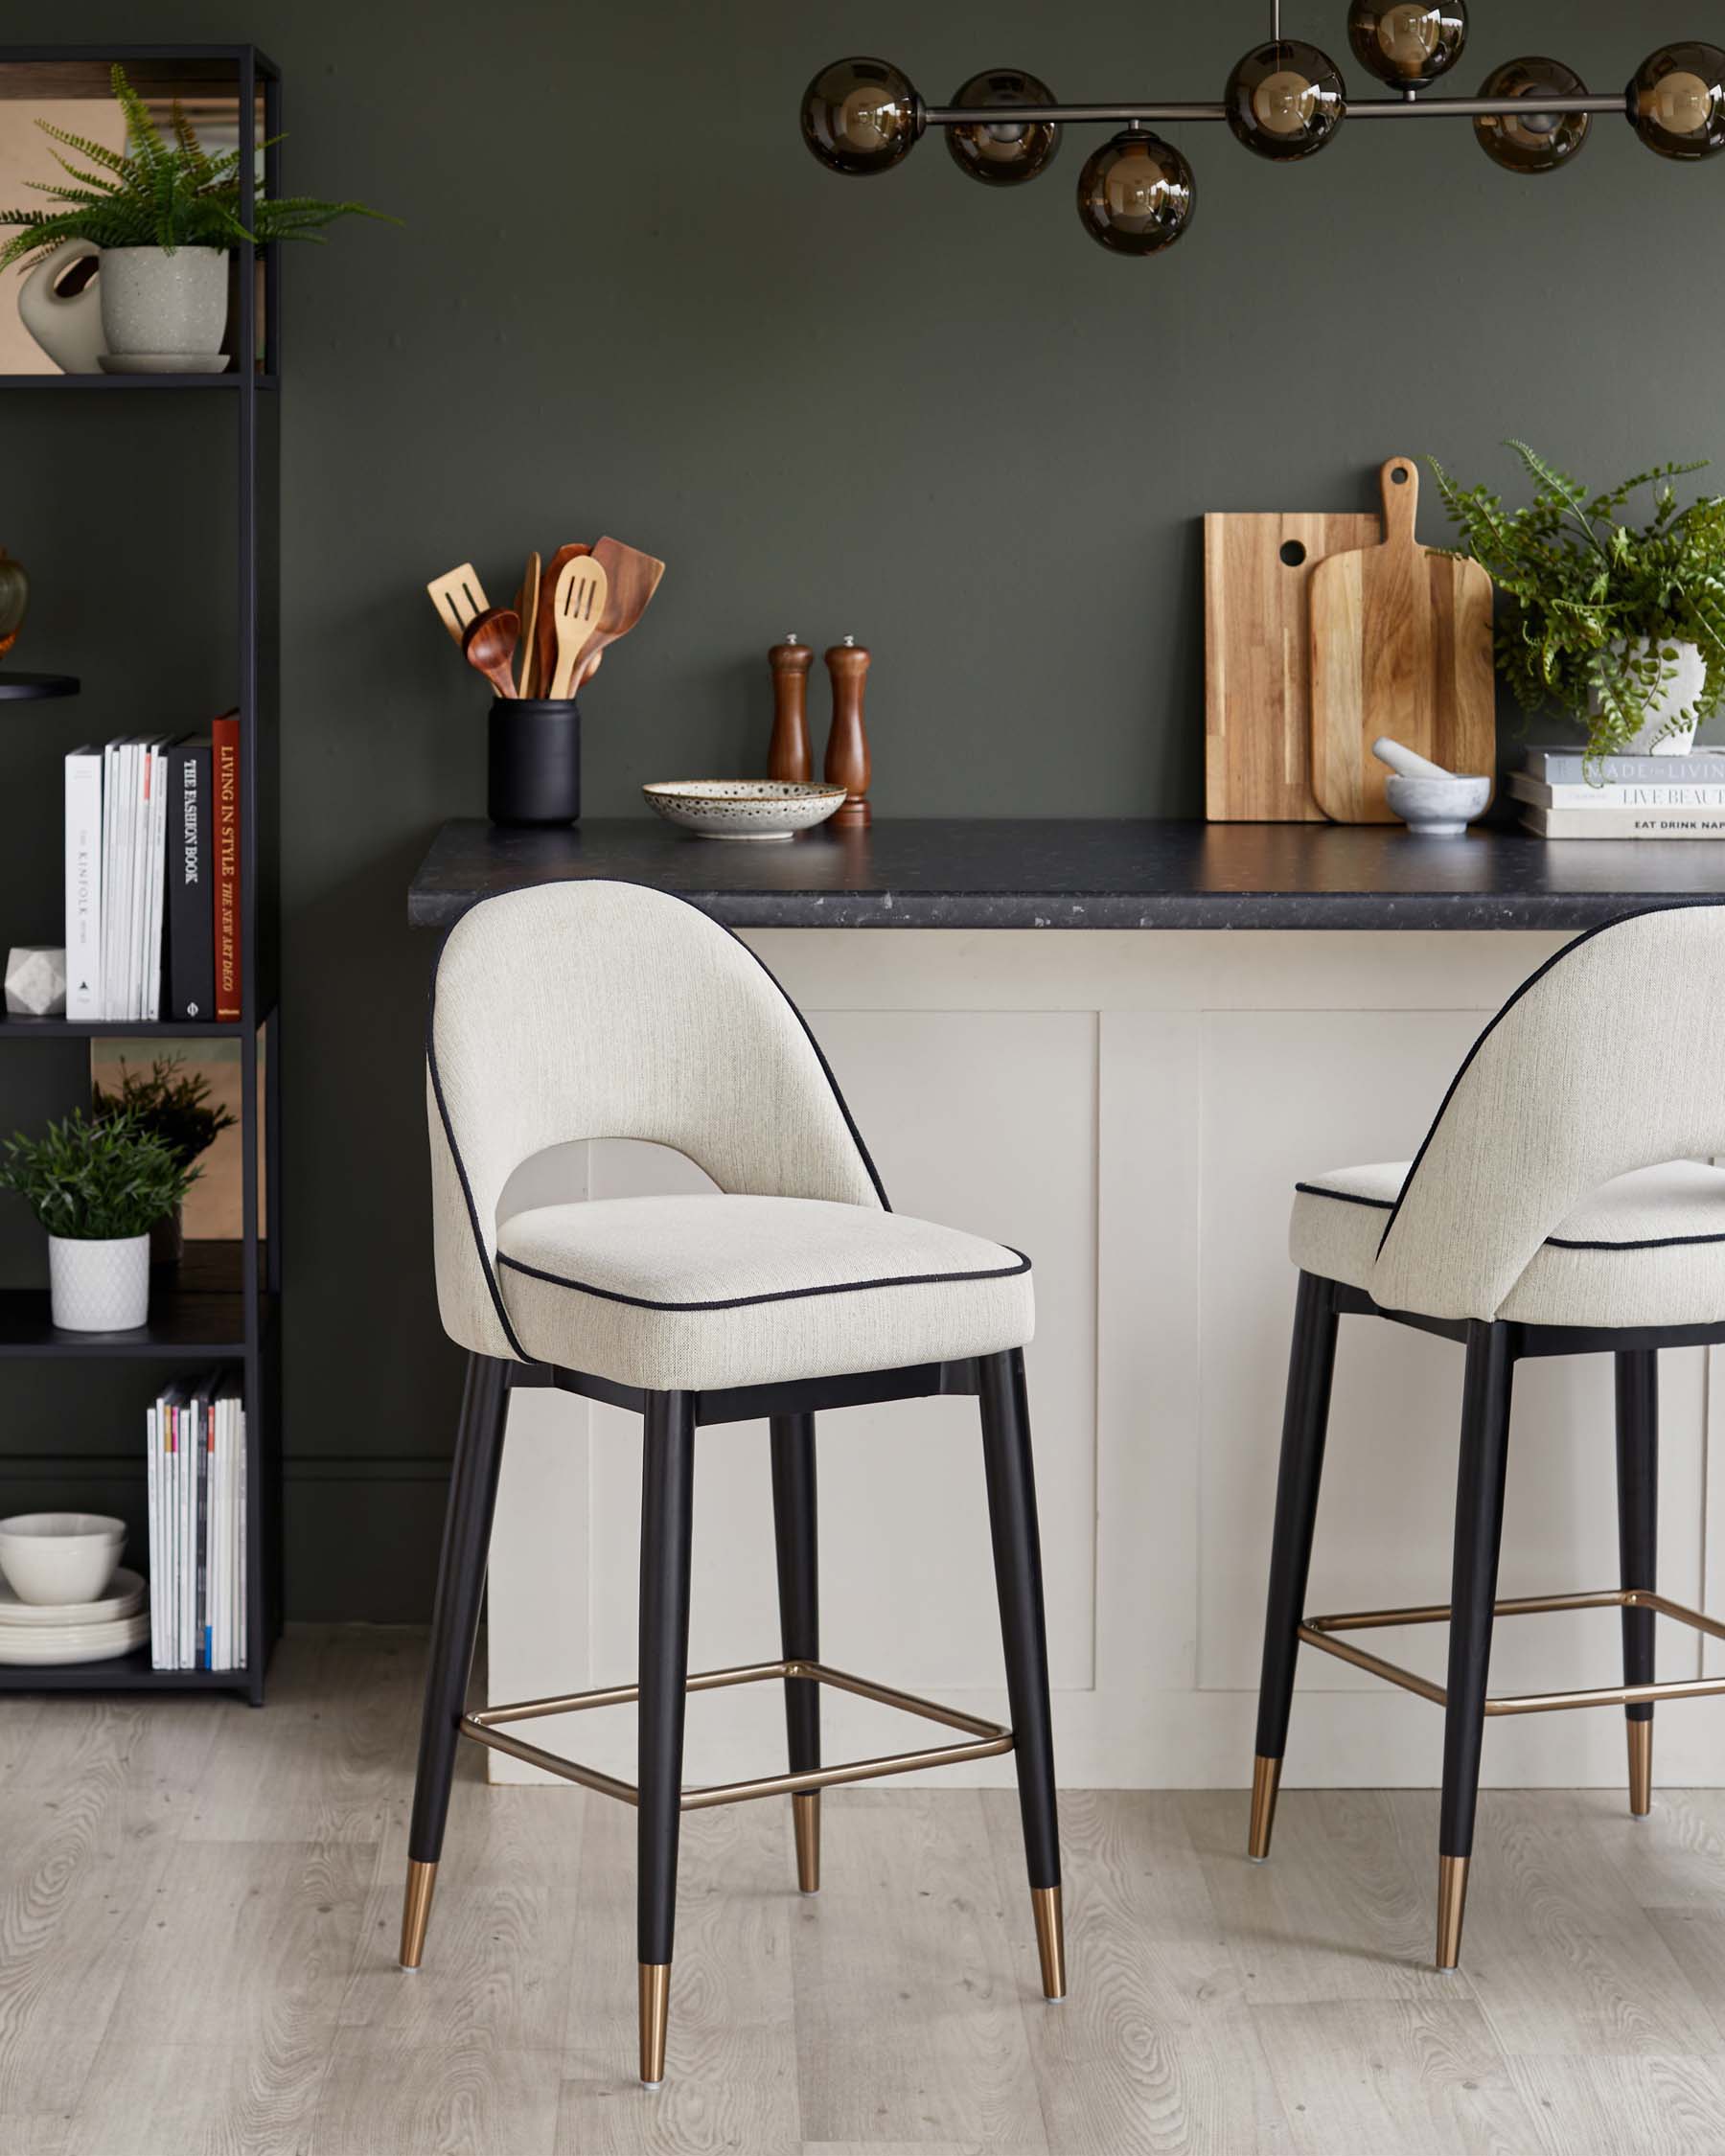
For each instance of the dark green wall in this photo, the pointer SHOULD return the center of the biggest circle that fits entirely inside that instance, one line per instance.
(910, 409)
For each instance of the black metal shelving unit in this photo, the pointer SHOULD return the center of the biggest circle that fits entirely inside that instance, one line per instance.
(226, 1303)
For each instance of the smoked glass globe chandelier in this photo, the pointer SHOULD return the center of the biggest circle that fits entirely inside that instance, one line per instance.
(1284, 100)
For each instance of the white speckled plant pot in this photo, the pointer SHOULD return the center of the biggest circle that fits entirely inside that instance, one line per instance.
(1681, 692)
(100, 1287)
(156, 302)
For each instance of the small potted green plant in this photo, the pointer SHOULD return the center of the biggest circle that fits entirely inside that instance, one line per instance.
(163, 217)
(98, 1186)
(1620, 625)
(179, 1110)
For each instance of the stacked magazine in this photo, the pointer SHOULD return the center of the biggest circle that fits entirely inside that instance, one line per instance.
(197, 1525)
(1563, 795)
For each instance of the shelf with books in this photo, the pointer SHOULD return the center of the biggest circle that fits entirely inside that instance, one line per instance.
(223, 1306)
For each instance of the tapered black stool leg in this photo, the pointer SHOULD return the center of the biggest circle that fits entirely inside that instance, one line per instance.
(1305, 1420)
(1485, 1459)
(1638, 1545)
(455, 1624)
(667, 1523)
(796, 1532)
(1019, 1585)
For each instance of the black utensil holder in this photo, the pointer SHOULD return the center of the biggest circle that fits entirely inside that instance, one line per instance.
(533, 761)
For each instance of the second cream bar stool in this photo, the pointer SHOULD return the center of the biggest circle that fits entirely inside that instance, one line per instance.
(585, 1010)
(1555, 1207)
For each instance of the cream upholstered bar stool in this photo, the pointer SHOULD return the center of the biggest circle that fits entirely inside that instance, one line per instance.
(1557, 1206)
(592, 1009)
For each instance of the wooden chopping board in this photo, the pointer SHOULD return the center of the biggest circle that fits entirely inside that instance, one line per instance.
(1401, 645)
(1257, 728)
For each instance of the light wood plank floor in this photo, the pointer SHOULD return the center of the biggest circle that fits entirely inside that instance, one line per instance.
(198, 1910)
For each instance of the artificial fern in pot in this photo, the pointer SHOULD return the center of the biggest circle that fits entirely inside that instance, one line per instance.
(1621, 626)
(98, 1186)
(164, 218)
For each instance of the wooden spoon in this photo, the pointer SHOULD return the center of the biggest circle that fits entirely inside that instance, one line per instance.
(633, 577)
(490, 647)
(577, 607)
(544, 661)
(527, 601)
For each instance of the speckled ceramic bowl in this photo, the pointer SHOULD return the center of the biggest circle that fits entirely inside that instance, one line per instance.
(743, 807)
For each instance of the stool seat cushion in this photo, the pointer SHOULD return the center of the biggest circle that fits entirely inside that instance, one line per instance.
(697, 1293)
(1645, 1249)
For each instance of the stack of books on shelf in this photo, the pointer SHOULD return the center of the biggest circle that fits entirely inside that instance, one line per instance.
(197, 1525)
(152, 878)
(1564, 796)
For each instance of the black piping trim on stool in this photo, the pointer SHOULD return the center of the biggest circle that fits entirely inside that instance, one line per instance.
(774, 1295)
(1549, 1242)
(1533, 982)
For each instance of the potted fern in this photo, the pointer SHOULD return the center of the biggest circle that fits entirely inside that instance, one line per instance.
(1620, 625)
(97, 1187)
(164, 216)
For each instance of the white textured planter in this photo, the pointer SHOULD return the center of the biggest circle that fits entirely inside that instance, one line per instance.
(1680, 694)
(100, 1287)
(155, 301)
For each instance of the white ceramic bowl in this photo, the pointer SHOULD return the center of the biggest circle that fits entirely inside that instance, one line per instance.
(743, 807)
(1436, 808)
(61, 1556)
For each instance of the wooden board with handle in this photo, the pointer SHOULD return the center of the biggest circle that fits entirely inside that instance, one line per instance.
(1257, 730)
(1401, 645)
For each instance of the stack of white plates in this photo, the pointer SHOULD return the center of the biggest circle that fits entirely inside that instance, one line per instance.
(52, 1634)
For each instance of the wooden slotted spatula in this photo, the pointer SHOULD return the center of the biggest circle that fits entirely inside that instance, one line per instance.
(544, 660)
(634, 578)
(577, 606)
(459, 598)
(526, 605)
(1401, 645)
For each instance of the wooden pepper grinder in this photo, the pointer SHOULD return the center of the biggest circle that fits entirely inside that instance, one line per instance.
(847, 745)
(788, 755)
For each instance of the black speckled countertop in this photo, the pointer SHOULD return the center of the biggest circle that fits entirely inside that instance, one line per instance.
(1000, 873)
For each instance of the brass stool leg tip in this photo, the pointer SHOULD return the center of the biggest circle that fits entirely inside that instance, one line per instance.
(416, 1911)
(1050, 1940)
(805, 1821)
(655, 2003)
(1266, 1782)
(1452, 1902)
(1640, 1767)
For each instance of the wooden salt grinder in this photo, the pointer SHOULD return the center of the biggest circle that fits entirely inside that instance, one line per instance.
(847, 745)
(788, 755)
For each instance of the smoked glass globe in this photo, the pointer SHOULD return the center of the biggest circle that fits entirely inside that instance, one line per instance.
(860, 116)
(1407, 43)
(1285, 99)
(1540, 141)
(1677, 101)
(1135, 194)
(1003, 153)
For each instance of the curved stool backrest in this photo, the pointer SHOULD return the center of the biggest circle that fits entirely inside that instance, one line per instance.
(1610, 1057)
(586, 1010)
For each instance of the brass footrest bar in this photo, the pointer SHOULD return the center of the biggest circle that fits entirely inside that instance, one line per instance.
(1322, 1631)
(987, 1738)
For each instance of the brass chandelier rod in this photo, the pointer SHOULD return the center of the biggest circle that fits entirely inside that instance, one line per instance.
(1363, 108)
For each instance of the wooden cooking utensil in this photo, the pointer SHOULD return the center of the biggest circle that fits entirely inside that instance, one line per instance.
(489, 646)
(544, 638)
(578, 606)
(1401, 645)
(635, 578)
(1257, 640)
(527, 601)
(459, 598)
